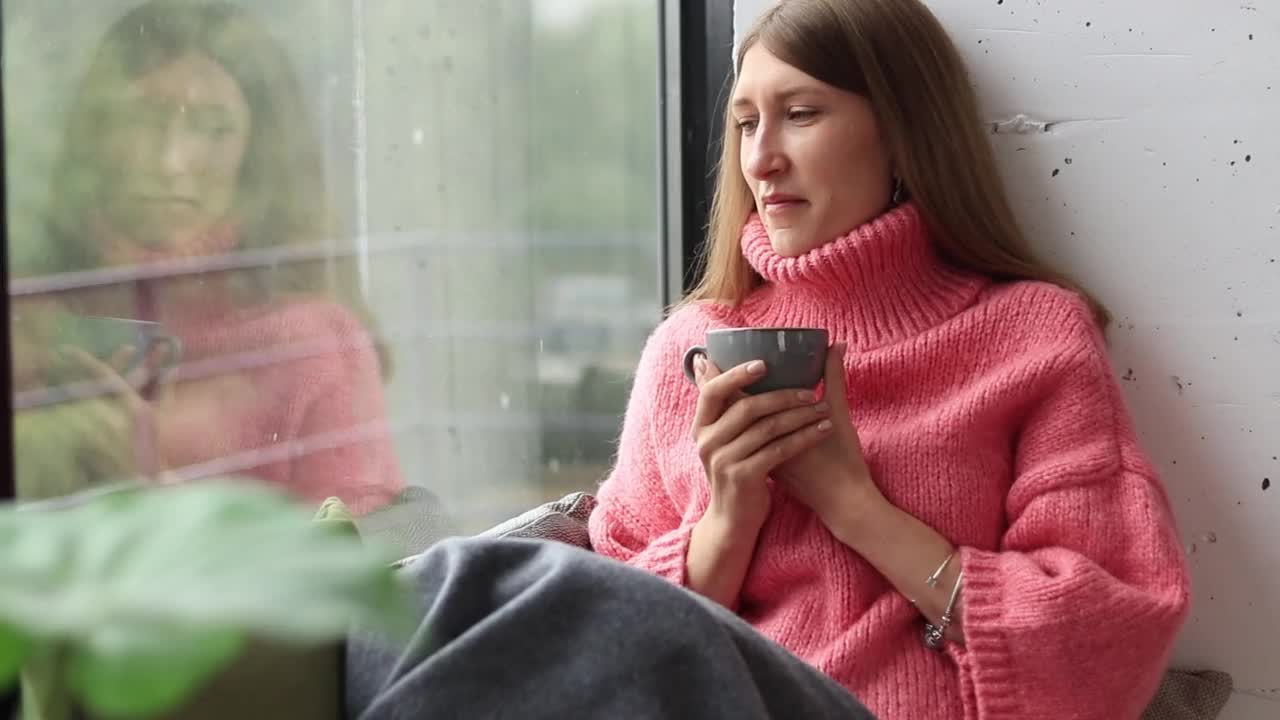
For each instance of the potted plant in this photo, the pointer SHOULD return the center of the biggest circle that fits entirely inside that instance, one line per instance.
(124, 604)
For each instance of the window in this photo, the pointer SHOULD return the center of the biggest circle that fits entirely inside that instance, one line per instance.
(345, 247)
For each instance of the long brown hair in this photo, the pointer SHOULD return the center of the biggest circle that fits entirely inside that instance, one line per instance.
(897, 55)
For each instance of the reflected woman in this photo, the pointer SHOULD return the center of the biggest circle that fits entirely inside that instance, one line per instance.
(190, 170)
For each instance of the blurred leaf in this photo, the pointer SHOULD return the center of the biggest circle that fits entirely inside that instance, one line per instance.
(13, 651)
(127, 675)
(154, 590)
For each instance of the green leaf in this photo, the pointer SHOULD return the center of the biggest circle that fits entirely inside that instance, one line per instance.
(13, 651)
(153, 591)
(130, 675)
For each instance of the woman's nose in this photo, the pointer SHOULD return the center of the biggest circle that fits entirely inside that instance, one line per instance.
(766, 156)
(179, 147)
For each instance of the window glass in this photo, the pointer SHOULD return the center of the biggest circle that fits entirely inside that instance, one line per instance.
(365, 250)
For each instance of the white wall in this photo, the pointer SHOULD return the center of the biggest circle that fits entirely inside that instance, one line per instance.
(1167, 203)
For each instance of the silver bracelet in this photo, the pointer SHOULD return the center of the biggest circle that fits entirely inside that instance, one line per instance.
(934, 635)
(932, 580)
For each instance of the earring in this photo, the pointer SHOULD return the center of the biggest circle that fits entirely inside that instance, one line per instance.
(897, 190)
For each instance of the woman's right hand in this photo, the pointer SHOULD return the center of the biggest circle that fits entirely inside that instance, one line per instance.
(742, 438)
(127, 416)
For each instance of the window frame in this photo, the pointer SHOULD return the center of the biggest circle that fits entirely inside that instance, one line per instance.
(9, 700)
(7, 472)
(696, 41)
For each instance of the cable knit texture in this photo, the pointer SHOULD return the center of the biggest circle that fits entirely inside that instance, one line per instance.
(987, 410)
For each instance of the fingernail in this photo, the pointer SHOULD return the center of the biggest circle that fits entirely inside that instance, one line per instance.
(824, 426)
(755, 367)
(822, 408)
(806, 396)
(699, 365)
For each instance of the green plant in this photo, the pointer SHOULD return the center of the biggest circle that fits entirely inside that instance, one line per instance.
(126, 603)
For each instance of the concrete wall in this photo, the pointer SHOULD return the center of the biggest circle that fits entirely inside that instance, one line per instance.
(1158, 183)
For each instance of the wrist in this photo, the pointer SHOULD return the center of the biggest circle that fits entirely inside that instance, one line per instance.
(738, 512)
(864, 516)
(719, 554)
(729, 531)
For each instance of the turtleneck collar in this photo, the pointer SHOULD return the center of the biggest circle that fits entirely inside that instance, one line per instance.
(880, 283)
(117, 247)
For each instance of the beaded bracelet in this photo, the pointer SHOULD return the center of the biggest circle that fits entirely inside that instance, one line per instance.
(934, 635)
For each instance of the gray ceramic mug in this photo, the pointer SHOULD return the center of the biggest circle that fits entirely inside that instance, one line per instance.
(794, 358)
(101, 338)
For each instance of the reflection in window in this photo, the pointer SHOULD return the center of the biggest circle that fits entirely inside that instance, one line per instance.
(342, 247)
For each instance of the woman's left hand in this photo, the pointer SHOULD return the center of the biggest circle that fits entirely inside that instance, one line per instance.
(832, 478)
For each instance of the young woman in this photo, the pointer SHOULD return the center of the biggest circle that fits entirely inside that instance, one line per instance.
(963, 524)
(188, 149)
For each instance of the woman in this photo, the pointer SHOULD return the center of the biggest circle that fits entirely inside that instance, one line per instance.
(189, 175)
(970, 482)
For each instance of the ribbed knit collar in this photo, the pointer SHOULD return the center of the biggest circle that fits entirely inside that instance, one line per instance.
(880, 283)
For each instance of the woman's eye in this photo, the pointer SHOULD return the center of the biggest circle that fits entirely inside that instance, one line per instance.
(140, 117)
(801, 114)
(212, 125)
(747, 125)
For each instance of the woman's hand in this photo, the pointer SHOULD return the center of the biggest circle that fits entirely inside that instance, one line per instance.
(832, 478)
(741, 439)
(126, 416)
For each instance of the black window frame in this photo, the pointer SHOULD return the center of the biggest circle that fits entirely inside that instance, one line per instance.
(7, 472)
(8, 700)
(697, 42)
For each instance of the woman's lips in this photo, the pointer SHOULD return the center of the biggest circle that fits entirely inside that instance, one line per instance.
(776, 206)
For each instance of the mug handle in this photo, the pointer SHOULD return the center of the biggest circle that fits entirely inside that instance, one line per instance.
(165, 366)
(171, 354)
(172, 348)
(689, 356)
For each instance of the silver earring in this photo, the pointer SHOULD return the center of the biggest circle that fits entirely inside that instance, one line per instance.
(897, 190)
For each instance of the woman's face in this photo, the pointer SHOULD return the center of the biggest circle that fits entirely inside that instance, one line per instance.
(811, 153)
(175, 152)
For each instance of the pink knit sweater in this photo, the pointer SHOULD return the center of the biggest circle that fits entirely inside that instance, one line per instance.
(288, 393)
(988, 411)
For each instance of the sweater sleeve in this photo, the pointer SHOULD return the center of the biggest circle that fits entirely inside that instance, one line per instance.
(1075, 615)
(637, 519)
(349, 452)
